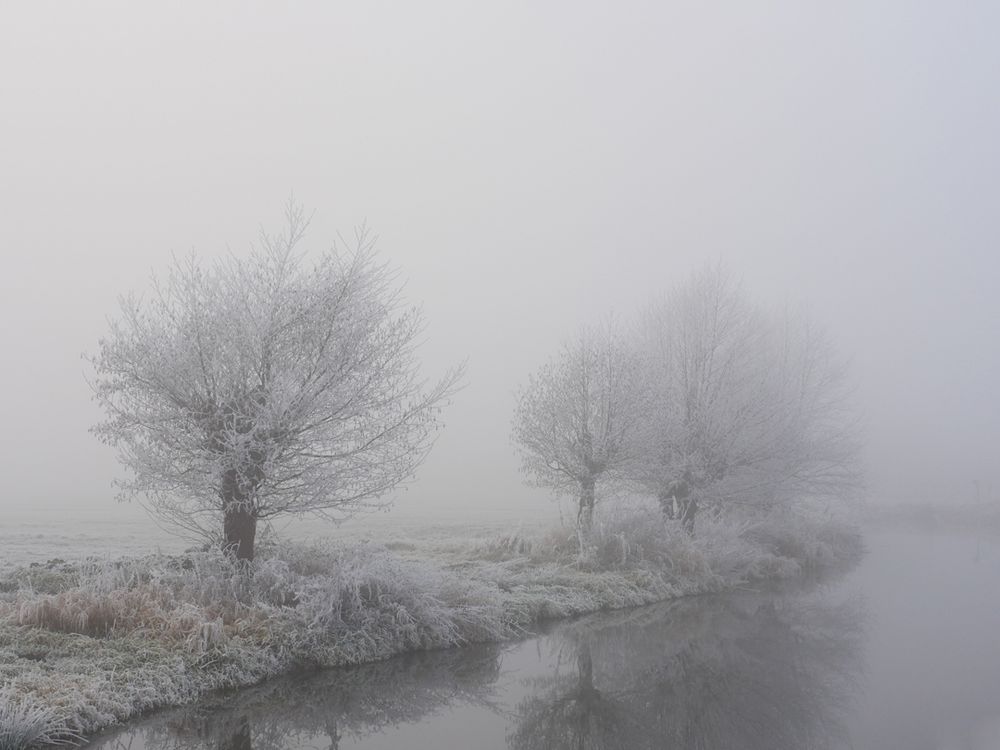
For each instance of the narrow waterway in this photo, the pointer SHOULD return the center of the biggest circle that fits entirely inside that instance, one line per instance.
(904, 652)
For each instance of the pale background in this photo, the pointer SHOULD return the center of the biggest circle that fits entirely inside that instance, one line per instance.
(529, 167)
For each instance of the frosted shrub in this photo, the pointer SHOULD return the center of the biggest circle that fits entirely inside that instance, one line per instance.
(512, 545)
(274, 582)
(812, 539)
(635, 536)
(632, 538)
(728, 548)
(735, 557)
(207, 636)
(24, 725)
(69, 612)
(406, 605)
(560, 544)
(50, 578)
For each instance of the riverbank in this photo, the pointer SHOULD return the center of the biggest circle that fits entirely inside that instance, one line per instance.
(87, 645)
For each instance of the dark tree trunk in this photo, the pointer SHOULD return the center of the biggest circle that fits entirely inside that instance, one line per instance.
(585, 515)
(239, 524)
(240, 530)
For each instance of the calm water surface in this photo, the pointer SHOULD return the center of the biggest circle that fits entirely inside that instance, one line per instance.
(902, 653)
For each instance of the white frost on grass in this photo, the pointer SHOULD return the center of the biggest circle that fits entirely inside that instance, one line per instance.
(101, 642)
(24, 725)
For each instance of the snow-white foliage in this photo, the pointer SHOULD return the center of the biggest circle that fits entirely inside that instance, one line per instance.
(745, 406)
(711, 401)
(572, 420)
(101, 642)
(267, 384)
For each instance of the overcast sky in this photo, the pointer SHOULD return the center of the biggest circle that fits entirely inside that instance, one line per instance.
(529, 167)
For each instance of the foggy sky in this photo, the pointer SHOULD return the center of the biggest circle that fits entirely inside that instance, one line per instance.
(529, 167)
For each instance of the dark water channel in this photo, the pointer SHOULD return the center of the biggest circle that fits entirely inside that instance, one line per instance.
(904, 652)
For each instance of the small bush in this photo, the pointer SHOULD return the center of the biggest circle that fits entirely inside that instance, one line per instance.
(24, 725)
(48, 578)
(506, 546)
(69, 612)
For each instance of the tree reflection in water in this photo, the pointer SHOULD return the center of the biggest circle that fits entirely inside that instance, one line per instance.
(728, 672)
(752, 672)
(318, 711)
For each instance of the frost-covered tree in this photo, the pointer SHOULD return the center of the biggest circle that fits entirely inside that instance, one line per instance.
(811, 446)
(746, 406)
(267, 385)
(700, 348)
(572, 419)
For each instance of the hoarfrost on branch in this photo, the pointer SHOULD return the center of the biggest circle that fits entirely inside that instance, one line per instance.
(267, 385)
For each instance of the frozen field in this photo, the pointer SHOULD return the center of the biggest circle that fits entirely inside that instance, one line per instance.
(28, 537)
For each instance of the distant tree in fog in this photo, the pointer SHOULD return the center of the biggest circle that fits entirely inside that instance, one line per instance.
(745, 407)
(572, 419)
(266, 385)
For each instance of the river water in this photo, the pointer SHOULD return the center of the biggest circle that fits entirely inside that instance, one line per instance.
(903, 652)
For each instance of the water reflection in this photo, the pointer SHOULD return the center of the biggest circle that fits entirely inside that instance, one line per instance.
(726, 672)
(721, 672)
(325, 709)
(571, 711)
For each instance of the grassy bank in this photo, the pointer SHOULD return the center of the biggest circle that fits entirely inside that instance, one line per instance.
(87, 645)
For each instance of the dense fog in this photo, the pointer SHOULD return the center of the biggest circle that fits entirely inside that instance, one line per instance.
(527, 169)
(556, 374)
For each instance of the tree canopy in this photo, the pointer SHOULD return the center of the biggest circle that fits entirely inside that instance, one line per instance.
(573, 418)
(708, 400)
(267, 385)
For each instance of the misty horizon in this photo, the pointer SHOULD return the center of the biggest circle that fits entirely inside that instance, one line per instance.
(527, 171)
